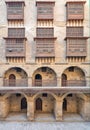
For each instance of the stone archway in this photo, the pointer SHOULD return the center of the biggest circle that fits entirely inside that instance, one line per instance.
(15, 76)
(45, 76)
(16, 106)
(44, 106)
(73, 76)
(72, 107)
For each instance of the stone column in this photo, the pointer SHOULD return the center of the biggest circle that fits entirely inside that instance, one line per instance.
(86, 114)
(30, 109)
(4, 107)
(58, 109)
(29, 81)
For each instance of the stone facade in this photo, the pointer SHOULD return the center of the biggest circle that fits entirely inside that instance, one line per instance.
(33, 84)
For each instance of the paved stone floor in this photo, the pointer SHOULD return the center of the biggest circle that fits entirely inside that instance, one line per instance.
(44, 117)
(44, 126)
(16, 121)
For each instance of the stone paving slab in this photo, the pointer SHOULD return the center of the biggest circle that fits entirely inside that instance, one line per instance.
(44, 126)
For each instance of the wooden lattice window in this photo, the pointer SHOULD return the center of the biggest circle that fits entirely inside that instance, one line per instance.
(15, 10)
(74, 31)
(75, 10)
(16, 32)
(45, 10)
(76, 47)
(45, 48)
(45, 32)
(15, 47)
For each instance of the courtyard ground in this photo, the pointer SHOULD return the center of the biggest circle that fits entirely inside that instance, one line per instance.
(5, 125)
(43, 122)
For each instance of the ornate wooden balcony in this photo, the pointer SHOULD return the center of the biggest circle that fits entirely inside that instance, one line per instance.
(76, 46)
(45, 10)
(15, 47)
(15, 10)
(45, 47)
(75, 10)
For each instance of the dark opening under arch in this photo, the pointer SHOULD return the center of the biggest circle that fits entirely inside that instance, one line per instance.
(64, 80)
(38, 104)
(65, 105)
(38, 80)
(23, 103)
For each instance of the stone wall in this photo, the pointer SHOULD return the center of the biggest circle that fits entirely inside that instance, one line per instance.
(71, 105)
(4, 108)
(15, 103)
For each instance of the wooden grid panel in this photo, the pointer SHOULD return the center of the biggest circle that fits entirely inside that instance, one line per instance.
(74, 31)
(16, 32)
(45, 32)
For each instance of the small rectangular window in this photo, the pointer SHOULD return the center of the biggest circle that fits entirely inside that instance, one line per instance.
(71, 69)
(44, 95)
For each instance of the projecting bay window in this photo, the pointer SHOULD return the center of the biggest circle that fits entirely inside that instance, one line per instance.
(15, 47)
(76, 47)
(15, 10)
(75, 10)
(45, 47)
(45, 42)
(45, 10)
